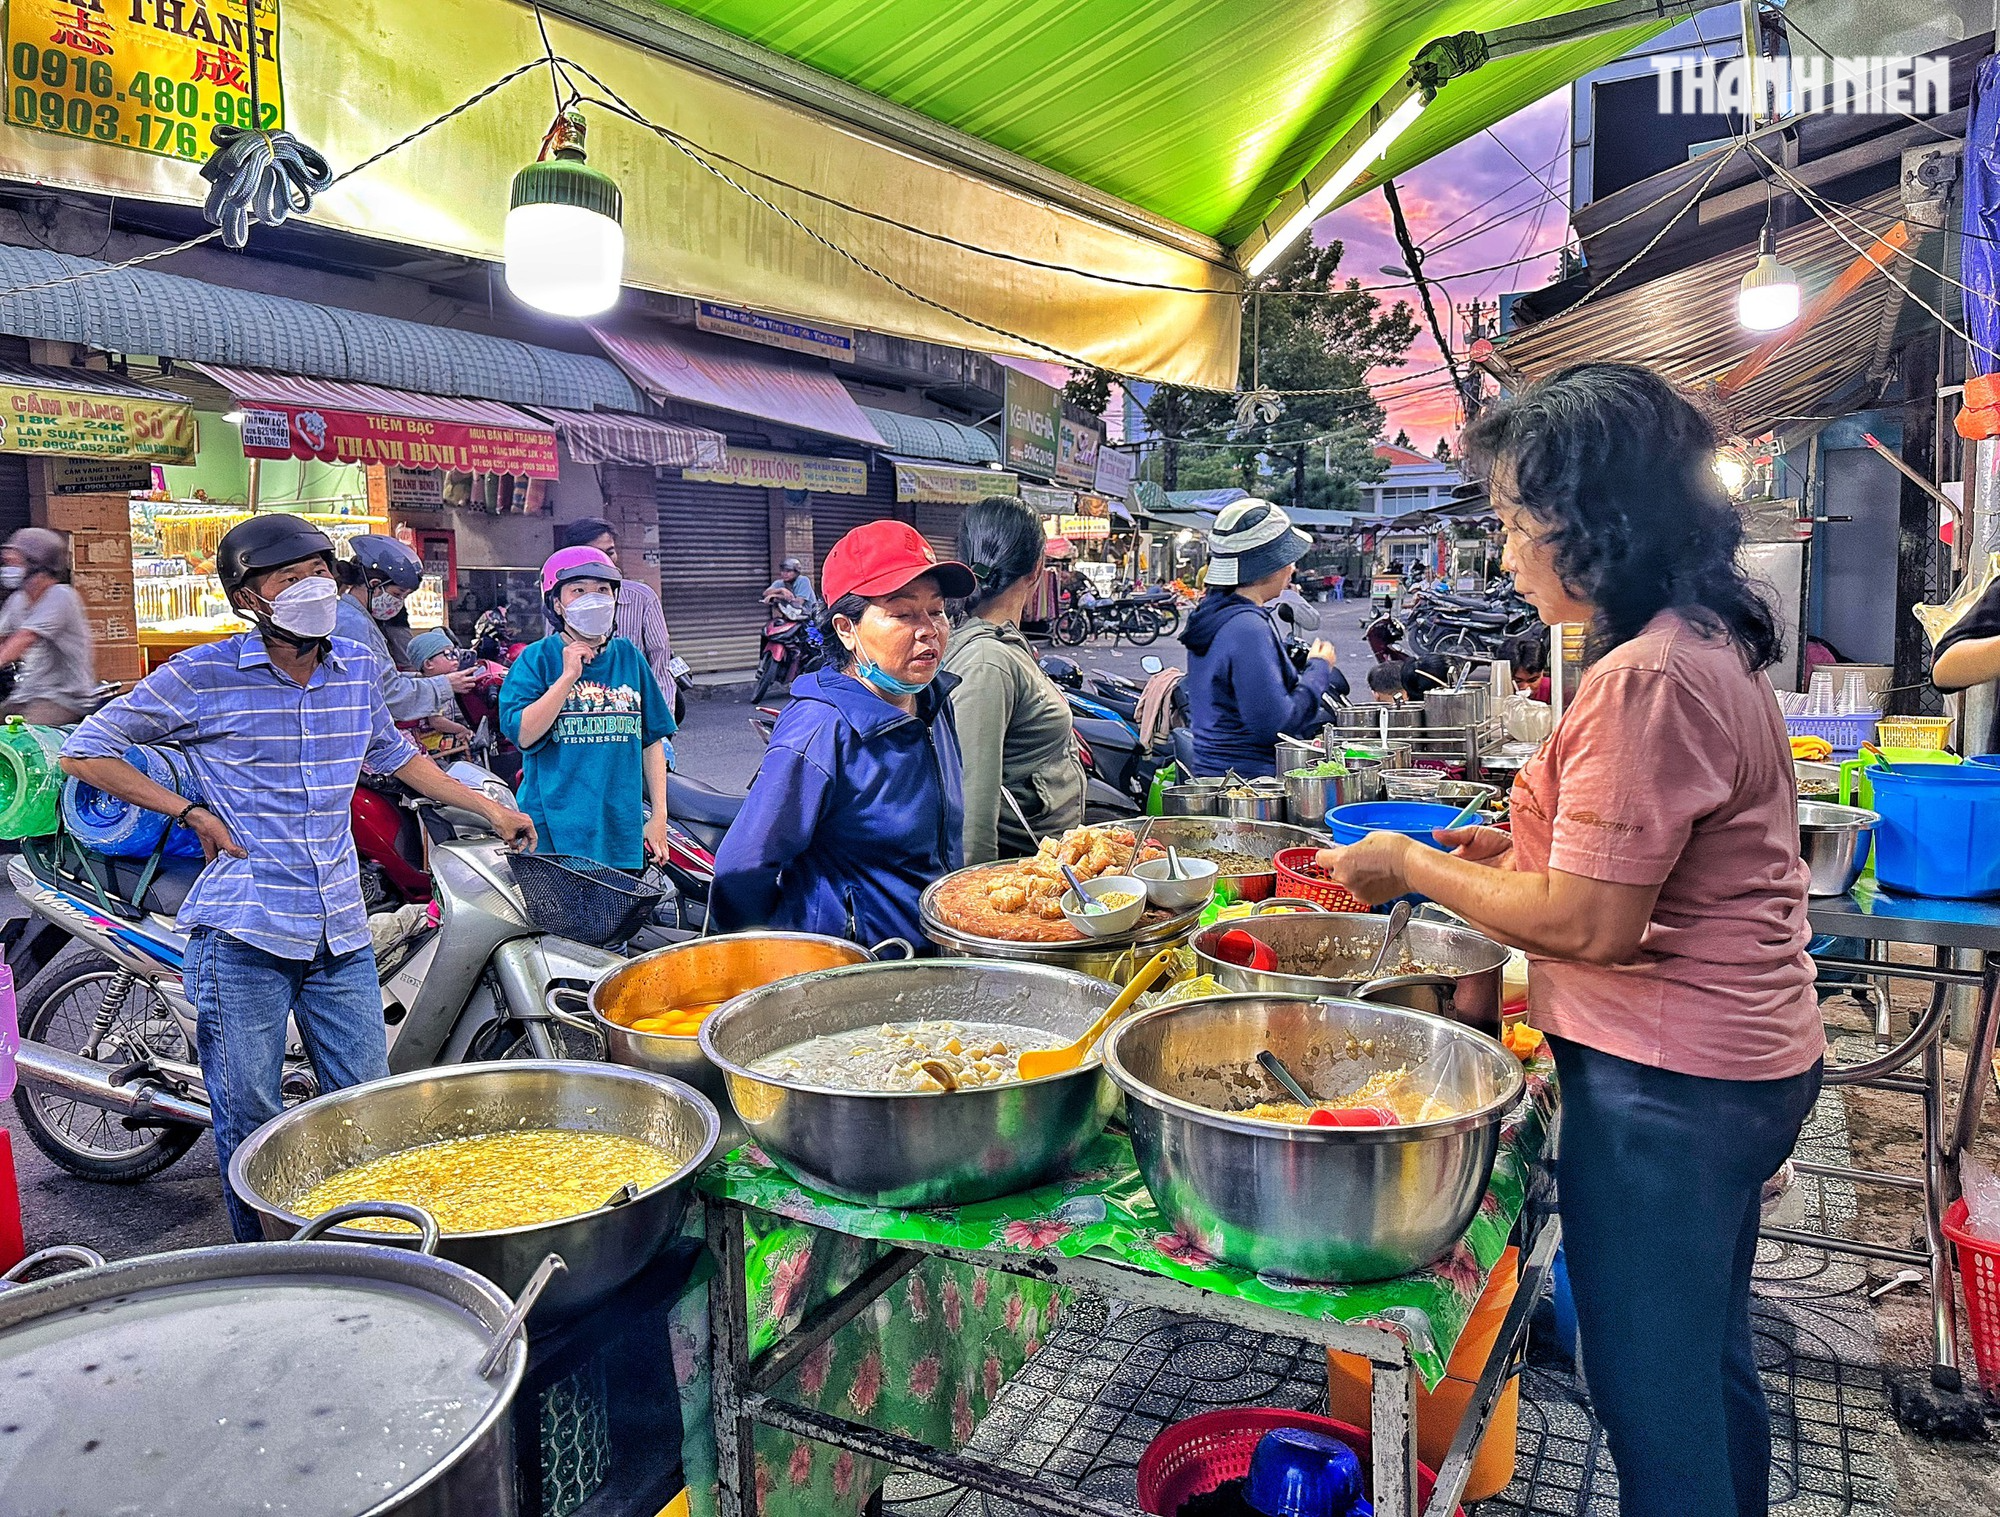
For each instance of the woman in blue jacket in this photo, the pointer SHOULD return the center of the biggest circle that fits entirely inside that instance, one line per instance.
(1243, 690)
(857, 805)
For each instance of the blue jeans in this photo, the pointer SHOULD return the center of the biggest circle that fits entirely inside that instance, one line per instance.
(1659, 1177)
(242, 997)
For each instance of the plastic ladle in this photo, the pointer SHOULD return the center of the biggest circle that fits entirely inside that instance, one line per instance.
(1881, 758)
(1037, 1062)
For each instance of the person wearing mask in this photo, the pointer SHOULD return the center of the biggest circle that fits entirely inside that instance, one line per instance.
(379, 574)
(1528, 658)
(858, 803)
(1653, 878)
(591, 722)
(1244, 691)
(793, 587)
(44, 634)
(277, 723)
(1014, 727)
(642, 621)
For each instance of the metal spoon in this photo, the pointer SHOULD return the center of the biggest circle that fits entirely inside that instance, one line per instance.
(1084, 899)
(1019, 815)
(1399, 918)
(1272, 1066)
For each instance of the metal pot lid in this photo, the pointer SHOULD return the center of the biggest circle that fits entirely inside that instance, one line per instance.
(315, 1379)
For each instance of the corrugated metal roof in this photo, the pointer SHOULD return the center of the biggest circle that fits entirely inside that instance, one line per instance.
(82, 381)
(343, 395)
(932, 437)
(1685, 325)
(734, 377)
(140, 311)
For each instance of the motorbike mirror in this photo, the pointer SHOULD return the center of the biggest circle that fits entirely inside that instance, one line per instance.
(1285, 611)
(1151, 663)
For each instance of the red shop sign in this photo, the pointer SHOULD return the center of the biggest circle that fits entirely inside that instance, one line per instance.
(372, 437)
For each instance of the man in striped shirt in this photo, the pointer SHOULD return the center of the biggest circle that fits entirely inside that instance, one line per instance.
(277, 724)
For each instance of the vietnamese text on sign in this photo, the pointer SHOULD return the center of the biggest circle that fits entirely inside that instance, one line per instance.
(1033, 413)
(832, 342)
(786, 471)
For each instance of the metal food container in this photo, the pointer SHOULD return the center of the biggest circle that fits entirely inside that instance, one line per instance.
(1260, 802)
(1463, 981)
(1834, 841)
(1309, 799)
(1299, 753)
(1196, 798)
(915, 1149)
(1263, 840)
(1111, 958)
(297, 1149)
(1823, 780)
(701, 972)
(1307, 1203)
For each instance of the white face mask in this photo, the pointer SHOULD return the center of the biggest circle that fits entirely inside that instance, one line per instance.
(308, 608)
(591, 615)
(12, 577)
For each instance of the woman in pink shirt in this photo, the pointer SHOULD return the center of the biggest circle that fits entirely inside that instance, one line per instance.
(1653, 878)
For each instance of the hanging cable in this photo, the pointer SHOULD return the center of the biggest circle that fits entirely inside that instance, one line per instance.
(1414, 258)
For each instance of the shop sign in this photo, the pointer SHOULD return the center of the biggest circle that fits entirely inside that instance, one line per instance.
(98, 476)
(786, 471)
(86, 424)
(1048, 502)
(1116, 469)
(832, 342)
(942, 484)
(1081, 528)
(1077, 448)
(1031, 425)
(407, 442)
(414, 489)
(153, 76)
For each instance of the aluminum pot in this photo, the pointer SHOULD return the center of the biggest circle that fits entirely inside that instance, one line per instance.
(255, 1377)
(1299, 753)
(1195, 798)
(701, 972)
(915, 1149)
(1834, 841)
(1261, 840)
(1463, 982)
(1308, 1203)
(297, 1149)
(1254, 803)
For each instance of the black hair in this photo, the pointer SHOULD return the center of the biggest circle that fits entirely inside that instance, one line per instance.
(1618, 465)
(1426, 675)
(1527, 654)
(1386, 679)
(349, 574)
(838, 654)
(1000, 539)
(582, 533)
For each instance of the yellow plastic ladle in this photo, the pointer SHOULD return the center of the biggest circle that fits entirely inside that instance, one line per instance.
(1037, 1062)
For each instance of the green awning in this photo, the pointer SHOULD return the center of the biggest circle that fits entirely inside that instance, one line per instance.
(1202, 112)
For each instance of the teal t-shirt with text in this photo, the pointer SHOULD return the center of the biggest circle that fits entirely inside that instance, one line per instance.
(583, 785)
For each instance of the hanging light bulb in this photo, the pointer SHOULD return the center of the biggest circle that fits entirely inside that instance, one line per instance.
(1768, 298)
(565, 241)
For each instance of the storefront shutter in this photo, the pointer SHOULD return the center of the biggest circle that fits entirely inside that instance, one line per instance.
(715, 560)
(834, 516)
(939, 524)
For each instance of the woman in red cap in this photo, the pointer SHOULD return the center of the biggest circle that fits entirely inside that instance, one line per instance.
(857, 806)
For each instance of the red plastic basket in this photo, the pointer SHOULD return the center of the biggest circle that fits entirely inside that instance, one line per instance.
(1979, 1274)
(1300, 879)
(1191, 1458)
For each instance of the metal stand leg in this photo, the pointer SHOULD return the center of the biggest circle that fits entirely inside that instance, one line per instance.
(729, 1348)
(1978, 1057)
(1392, 1417)
(1944, 1303)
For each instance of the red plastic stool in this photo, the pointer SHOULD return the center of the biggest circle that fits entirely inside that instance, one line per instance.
(13, 1245)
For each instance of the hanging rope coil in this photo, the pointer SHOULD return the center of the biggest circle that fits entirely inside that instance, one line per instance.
(259, 177)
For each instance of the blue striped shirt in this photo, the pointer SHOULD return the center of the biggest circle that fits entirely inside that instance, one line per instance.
(277, 761)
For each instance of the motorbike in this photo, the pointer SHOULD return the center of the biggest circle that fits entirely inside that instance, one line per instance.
(1118, 767)
(1384, 633)
(697, 819)
(790, 647)
(1467, 627)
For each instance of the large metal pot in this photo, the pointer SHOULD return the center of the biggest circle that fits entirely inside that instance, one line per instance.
(1309, 1203)
(1112, 957)
(701, 972)
(1299, 753)
(1463, 983)
(318, 1378)
(1261, 840)
(913, 1150)
(297, 1149)
(1194, 798)
(1257, 802)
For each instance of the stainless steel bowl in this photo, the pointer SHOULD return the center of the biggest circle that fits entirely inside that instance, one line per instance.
(1464, 984)
(1110, 958)
(1308, 1203)
(1834, 840)
(1823, 778)
(1261, 840)
(297, 1149)
(702, 972)
(914, 1150)
(1247, 805)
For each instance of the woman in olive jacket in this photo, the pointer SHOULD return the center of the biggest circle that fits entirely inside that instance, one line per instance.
(1014, 726)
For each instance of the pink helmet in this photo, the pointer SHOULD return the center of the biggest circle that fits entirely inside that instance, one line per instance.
(577, 563)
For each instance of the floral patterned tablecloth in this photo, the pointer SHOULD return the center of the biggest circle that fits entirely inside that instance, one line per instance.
(933, 1353)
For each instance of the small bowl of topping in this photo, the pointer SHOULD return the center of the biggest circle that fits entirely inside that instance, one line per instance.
(1116, 903)
(1192, 886)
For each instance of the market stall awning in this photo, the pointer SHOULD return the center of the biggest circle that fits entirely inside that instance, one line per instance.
(606, 437)
(80, 413)
(1192, 521)
(949, 484)
(933, 437)
(288, 416)
(731, 377)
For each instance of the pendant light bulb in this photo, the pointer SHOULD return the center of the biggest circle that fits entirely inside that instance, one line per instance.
(565, 236)
(1768, 298)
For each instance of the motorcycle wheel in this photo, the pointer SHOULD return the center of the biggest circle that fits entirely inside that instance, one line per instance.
(1169, 618)
(767, 676)
(1457, 641)
(58, 1007)
(1071, 629)
(1144, 627)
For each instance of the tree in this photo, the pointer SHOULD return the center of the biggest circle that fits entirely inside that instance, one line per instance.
(1401, 439)
(1443, 454)
(1313, 338)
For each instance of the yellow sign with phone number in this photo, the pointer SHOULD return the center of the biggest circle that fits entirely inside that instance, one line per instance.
(156, 76)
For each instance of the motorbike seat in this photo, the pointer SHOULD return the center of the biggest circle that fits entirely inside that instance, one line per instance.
(691, 801)
(171, 882)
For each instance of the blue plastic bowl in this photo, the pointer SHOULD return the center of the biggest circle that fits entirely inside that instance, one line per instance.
(1991, 760)
(1414, 819)
(1295, 1472)
(1938, 826)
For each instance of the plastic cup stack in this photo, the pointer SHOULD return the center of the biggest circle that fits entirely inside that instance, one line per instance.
(1854, 695)
(1819, 694)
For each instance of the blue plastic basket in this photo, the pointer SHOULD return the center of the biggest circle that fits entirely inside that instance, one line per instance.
(1939, 822)
(1846, 733)
(1414, 819)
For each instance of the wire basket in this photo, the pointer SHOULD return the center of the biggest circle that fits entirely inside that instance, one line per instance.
(1300, 879)
(1914, 732)
(581, 899)
(1845, 733)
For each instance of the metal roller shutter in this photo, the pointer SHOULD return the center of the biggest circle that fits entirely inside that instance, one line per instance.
(14, 466)
(834, 516)
(939, 524)
(715, 560)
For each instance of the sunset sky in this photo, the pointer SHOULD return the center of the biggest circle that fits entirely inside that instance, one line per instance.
(1527, 220)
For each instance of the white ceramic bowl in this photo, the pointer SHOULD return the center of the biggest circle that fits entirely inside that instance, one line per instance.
(1104, 924)
(1195, 885)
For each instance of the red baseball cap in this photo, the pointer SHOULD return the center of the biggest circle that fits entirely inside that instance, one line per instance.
(882, 557)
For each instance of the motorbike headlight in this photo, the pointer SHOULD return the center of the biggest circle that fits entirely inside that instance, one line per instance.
(496, 790)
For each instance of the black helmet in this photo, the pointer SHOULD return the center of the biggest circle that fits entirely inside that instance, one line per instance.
(267, 542)
(387, 558)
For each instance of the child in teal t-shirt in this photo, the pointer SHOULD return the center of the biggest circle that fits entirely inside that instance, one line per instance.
(592, 725)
